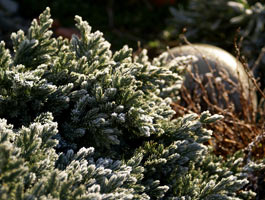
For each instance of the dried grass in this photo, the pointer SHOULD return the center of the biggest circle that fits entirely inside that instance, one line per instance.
(243, 129)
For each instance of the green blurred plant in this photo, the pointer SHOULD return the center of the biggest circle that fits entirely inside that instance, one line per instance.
(221, 22)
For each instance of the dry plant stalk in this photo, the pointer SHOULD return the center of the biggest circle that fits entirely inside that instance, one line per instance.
(238, 129)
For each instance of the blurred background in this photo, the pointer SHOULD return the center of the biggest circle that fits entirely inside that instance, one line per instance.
(122, 22)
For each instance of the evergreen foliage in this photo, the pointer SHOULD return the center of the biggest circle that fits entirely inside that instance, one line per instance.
(88, 123)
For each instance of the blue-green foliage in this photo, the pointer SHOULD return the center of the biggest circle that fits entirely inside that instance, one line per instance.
(31, 169)
(88, 123)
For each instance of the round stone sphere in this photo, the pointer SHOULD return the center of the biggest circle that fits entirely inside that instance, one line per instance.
(216, 68)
